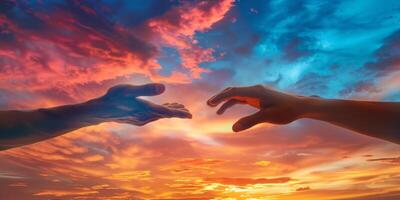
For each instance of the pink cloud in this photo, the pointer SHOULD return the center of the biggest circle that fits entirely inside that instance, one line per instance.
(177, 28)
(73, 47)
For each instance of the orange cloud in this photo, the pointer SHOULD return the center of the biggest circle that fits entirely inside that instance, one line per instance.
(130, 175)
(392, 160)
(303, 189)
(248, 181)
(200, 162)
(263, 163)
(61, 193)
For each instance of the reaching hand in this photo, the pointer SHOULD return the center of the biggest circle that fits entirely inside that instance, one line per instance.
(121, 104)
(274, 107)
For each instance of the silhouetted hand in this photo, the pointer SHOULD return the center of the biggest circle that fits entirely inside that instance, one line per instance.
(375, 119)
(274, 107)
(121, 104)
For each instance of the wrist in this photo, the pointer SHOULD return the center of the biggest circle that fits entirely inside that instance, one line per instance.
(92, 112)
(310, 107)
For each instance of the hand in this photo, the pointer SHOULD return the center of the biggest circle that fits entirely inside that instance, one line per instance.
(274, 107)
(121, 104)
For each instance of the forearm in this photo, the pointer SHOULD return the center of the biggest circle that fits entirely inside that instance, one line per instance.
(19, 128)
(376, 119)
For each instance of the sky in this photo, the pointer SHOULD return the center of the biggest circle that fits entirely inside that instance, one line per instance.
(56, 52)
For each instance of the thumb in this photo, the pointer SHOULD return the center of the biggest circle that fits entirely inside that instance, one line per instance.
(125, 90)
(151, 89)
(248, 121)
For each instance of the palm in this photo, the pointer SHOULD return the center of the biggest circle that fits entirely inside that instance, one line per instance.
(122, 104)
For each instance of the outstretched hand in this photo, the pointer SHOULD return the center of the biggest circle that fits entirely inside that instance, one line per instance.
(274, 107)
(122, 104)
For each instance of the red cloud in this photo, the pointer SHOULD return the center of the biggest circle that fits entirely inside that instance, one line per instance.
(75, 46)
(64, 48)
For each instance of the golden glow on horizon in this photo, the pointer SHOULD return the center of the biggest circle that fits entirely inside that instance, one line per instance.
(201, 169)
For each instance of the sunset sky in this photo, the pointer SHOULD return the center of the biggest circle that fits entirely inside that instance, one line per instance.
(56, 52)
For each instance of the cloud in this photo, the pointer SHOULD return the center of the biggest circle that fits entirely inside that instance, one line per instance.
(69, 44)
(177, 29)
(247, 48)
(380, 75)
(200, 162)
(394, 195)
(130, 175)
(295, 47)
(387, 56)
(18, 184)
(10, 175)
(247, 181)
(391, 160)
(303, 189)
(263, 163)
(61, 193)
(362, 87)
(299, 135)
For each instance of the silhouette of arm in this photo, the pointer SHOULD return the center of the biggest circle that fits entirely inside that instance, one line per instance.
(24, 127)
(119, 104)
(375, 119)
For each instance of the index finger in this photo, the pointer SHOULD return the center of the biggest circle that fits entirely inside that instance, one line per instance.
(232, 92)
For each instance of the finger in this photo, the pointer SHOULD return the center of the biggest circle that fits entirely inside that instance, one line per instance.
(227, 105)
(136, 90)
(167, 111)
(180, 113)
(232, 92)
(177, 105)
(248, 122)
(174, 105)
(214, 100)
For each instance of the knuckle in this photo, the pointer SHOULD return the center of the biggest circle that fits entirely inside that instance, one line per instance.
(229, 89)
(259, 86)
(232, 89)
